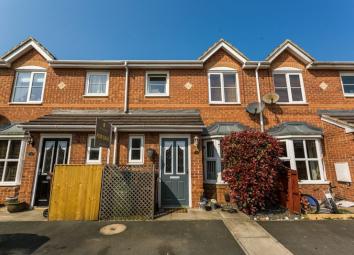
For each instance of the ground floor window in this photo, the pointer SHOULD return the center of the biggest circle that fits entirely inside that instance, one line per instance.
(93, 152)
(136, 149)
(10, 161)
(305, 156)
(212, 161)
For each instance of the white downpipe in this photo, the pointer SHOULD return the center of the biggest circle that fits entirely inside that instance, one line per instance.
(114, 161)
(259, 98)
(126, 85)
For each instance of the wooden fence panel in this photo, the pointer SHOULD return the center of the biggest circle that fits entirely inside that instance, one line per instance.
(75, 192)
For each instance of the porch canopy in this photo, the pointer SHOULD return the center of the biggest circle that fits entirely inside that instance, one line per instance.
(134, 121)
(340, 118)
(294, 128)
(223, 128)
(11, 129)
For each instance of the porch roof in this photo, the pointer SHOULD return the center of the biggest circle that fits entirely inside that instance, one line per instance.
(295, 128)
(340, 118)
(223, 128)
(135, 120)
(11, 129)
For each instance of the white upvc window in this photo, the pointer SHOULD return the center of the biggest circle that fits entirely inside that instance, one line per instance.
(157, 84)
(289, 85)
(347, 80)
(11, 156)
(305, 156)
(212, 161)
(97, 84)
(94, 154)
(223, 87)
(28, 87)
(136, 149)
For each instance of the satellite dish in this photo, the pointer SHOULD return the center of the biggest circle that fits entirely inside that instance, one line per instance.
(255, 107)
(270, 98)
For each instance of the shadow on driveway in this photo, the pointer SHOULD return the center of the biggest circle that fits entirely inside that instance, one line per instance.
(21, 243)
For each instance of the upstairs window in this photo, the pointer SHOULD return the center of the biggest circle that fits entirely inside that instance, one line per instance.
(157, 84)
(289, 86)
(93, 152)
(136, 149)
(223, 87)
(28, 87)
(348, 84)
(97, 84)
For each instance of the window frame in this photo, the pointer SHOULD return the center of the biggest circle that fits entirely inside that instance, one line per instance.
(167, 90)
(217, 158)
(34, 70)
(292, 159)
(19, 161)
(287, 72)
(221, 72)
(341, 74)
(142, 146)
(88, 74)
(88, 150)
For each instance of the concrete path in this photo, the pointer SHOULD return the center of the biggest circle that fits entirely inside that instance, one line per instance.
(30, 215)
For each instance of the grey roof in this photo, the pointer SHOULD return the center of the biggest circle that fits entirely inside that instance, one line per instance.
(345, 117)
(294, 128)
(144, 120)
(223, 128)
(11, 129)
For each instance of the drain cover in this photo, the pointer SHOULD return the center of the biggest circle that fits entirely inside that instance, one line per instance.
(112, 229)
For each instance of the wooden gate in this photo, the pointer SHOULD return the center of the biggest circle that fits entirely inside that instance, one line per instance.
(75, 192)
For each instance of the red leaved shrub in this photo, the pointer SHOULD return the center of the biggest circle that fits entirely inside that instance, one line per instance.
(251, 168)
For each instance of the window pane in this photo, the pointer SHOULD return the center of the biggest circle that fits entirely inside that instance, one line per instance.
(97, 83)
(230, 80)
(314, 170)
(48, 156)
(348, 88)
(283, 94)
(37, 87)
(136, 143)
(348, 79)
(279, 80)
(2, 164)
(301, 170)
(210, 149)
(311, 148)
(296, 94)
(11, 169)
(180, 160)
(21, 87)
(211, 170)
(157, 89)
(36, 94)
(14, 151)
(294, 80)
(135, 154)
(299, 149)
(157, 84)
(215, 81)
(94, 154)
(230, 94)
(283, 146)
(61, 152)
(215, 94)
(3, 148)
(168, 160)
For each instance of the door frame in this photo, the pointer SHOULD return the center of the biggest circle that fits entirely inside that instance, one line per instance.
(40, 147)
(176, 136)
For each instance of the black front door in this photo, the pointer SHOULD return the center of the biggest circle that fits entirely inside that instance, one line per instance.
(174, 173)
(54, 151)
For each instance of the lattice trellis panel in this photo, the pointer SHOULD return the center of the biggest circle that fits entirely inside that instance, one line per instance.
(127, 193)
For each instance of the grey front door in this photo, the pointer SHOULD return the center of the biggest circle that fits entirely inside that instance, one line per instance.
(174, 172)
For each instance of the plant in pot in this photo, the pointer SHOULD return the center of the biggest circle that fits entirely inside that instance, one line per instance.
(13, 205)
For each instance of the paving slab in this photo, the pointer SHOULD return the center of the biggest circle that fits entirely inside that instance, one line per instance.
(29, 215)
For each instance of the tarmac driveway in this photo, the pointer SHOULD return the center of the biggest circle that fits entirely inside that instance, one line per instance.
(314, 237)
(162, 238)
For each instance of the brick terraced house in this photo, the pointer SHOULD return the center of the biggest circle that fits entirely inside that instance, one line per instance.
(180, 109)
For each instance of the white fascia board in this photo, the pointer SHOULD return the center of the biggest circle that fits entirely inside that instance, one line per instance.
(347, 128)
(228, 49)
(293, 49)
(23, 49)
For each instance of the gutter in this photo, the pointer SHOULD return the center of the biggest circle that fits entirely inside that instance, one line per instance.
(126, 87)
(259, 97)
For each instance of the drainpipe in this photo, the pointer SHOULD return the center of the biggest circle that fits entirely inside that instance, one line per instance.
(126, 87)
(259, 97)
(115, 146)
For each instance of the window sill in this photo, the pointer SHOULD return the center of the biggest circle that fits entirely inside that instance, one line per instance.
(293, 103)
(215, 182)
(93, 96)
(135, 163)
(94, 163)
(220, 103)
(348, 95)
(12, 184)
(25, 103)
(313, 182)
(159, 96)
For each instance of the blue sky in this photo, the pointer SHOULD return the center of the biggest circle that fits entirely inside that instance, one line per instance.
(180, 29)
